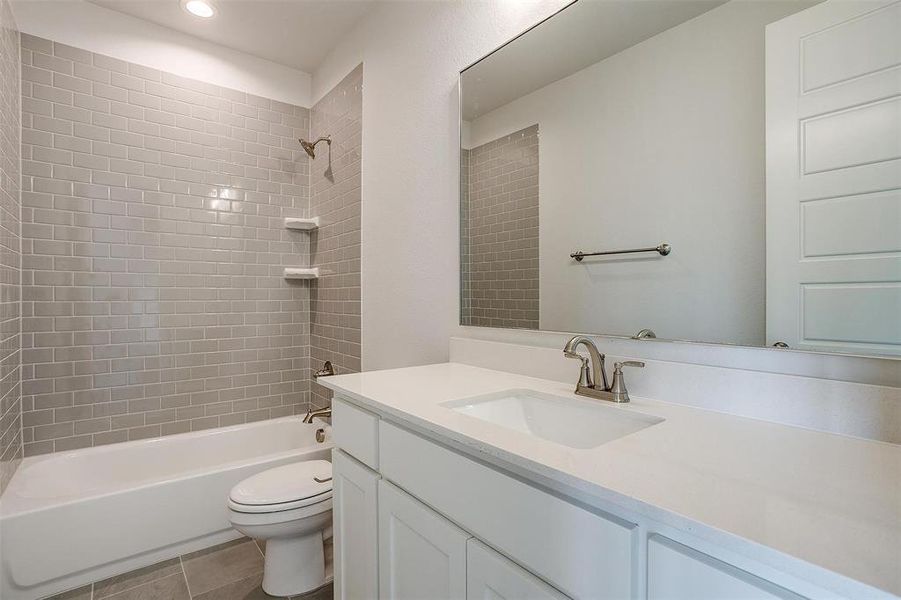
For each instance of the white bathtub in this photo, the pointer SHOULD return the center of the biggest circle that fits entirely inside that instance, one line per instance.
(72, 518)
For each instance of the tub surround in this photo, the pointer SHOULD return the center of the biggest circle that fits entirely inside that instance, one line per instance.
(154, 246)
(154, 252)
(10, 249)
(499, 254)
(819, 508)
(335, 197)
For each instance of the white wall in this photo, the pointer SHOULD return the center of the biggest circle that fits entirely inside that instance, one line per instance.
(412, 56)
(663, 142)
(104, 31)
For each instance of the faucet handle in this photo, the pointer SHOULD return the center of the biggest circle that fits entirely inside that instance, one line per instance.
(618, 366)
(618, 387)
(584, 371)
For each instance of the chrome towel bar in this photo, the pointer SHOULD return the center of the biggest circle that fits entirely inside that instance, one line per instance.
(663, 249)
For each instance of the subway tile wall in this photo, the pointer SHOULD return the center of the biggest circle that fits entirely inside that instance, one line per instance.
(153, 245)
(335, 246)
(501, 220)
(10, 250)
(465, 250)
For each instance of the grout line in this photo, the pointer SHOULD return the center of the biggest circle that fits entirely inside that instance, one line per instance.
(181, 563)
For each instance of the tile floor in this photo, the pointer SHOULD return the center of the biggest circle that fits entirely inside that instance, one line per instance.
(230, 571)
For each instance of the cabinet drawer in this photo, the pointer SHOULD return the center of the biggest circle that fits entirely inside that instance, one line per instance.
(677, 572)
(583, 553)
(356, 431)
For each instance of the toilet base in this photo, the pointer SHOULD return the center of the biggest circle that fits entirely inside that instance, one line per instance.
(294, 565)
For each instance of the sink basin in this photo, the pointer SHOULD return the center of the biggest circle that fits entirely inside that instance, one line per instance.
(571, 422)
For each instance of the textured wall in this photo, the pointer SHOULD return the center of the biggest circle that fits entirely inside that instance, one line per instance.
(153, 250)
(335, 246)
(10, 250)
(501, 220)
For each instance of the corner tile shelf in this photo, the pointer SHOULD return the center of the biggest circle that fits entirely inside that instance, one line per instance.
(302, 273)
(302, 224)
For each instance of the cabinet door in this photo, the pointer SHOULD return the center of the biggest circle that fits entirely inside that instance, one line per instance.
(677, 572)
(490, 576)
(422, 555)
(355, 514)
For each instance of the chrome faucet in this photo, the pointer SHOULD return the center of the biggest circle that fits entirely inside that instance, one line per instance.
(312, 414)
(586, 386)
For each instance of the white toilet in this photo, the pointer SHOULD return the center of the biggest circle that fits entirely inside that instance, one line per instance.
(291, 508)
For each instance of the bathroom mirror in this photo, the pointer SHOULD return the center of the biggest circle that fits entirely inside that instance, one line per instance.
(692, 170)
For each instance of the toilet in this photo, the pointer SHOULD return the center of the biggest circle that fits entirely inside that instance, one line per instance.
(291, 508)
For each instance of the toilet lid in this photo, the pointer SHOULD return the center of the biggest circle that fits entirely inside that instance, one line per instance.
(294, 484)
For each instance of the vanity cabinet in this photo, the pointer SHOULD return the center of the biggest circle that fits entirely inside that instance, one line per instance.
(421, 554)
(355, 515)
(430, 521)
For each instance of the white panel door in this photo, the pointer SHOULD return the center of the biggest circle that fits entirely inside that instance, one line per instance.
(677, 572)
(355, 515)
(491, 576)
(422, 555)
(833, 127)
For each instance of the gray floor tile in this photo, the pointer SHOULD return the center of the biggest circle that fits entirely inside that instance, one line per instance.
(215, 567)
(82, 593)
(172, 587)
(248, 588)
(120, 583)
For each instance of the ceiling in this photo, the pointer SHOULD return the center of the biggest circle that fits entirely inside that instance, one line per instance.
(295, 33)
(577, 37)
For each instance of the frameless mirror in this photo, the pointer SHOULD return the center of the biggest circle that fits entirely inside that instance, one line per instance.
(725, 172)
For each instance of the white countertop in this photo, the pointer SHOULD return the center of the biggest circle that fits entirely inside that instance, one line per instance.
(831, 501)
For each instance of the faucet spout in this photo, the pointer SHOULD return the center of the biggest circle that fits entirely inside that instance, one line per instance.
(586, 379)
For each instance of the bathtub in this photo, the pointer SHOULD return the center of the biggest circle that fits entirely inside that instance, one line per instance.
(71, 518)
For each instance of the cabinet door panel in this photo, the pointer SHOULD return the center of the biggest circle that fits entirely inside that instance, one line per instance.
(355, 505)
(677, 572)
(422, 555)
(490, 576)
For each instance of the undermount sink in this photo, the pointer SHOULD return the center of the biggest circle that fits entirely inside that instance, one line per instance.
(571, 422)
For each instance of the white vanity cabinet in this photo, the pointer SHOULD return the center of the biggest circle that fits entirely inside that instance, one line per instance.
(429, 521)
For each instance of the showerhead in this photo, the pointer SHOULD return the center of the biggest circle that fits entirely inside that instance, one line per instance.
(310, 147)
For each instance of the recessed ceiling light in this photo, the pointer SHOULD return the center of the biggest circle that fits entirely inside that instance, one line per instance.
(199, 8)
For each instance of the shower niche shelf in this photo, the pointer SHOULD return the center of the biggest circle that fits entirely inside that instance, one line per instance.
(302, 273)
(301, 223)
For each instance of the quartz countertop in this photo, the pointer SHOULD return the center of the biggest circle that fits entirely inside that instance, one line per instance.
(819, 500)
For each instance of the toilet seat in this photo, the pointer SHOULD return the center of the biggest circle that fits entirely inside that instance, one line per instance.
(284, 488)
